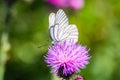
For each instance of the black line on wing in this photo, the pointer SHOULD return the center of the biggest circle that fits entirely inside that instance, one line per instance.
(65, 30)
(60, 30)
(59, 15)
(51, 33)
(54, 32)
(71, 30)
(65, 21)
(64, 38)
(57, 30)
(62, 19)
(67, 38)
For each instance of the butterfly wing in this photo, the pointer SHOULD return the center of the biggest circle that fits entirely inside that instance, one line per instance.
(59, 28)
(61, 19)
(51, 26)
(51, 19)
(56, 23)
(69, 33)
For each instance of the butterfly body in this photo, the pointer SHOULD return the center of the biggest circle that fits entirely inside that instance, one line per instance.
(59, 28)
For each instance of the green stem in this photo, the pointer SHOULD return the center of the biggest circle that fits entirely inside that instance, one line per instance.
(5, 46)
(1, 72)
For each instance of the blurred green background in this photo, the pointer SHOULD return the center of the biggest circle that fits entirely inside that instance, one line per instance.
(99, 29)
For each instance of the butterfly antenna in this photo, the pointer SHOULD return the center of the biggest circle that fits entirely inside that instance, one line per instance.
(44, 44)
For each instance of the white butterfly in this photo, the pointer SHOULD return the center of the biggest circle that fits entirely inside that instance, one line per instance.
(59, 28)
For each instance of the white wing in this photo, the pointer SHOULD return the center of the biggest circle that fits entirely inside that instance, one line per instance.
(69, 33)
(51, 20)
(61, 19)
(56, 23)
(59, 28)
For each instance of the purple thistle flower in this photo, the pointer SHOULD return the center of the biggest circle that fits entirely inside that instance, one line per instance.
(58, 3)
(74, 4)
(79, 78)
(66, 58)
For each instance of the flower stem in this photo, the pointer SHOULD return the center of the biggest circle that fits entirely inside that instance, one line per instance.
(5, 45)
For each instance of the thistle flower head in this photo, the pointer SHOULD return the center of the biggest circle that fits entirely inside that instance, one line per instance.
(66, 58)
(58, 3)
(74, 4)
(79, 78)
